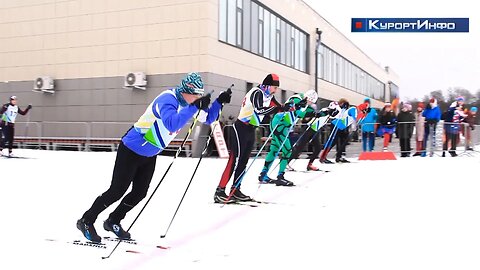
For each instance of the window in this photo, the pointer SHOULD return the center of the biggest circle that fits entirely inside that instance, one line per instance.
(239, 22)
(336, 69)
(249, 25)
(231, 22)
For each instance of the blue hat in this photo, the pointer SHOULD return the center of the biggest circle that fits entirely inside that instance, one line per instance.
(460, 98)
(192, 84)
(367, 99)
(473, 109)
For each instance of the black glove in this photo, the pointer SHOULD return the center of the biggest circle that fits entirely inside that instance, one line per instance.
(472, 127)
(321, 113)
(29, 106)
(345, 105)
(301, 104)
(287, 107)
(369, 109)
(332, 112)
(225, 97)
(202, 103)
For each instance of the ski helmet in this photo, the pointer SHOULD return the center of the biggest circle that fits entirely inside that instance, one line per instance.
(192, 84)
(311, 96)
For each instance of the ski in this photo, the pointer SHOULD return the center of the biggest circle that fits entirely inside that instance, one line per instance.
(106, 241)
(84, 243)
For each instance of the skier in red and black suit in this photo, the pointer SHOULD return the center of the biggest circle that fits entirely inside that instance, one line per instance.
(257, 103)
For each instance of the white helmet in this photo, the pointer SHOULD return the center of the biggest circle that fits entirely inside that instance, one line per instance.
(333, 105)
(311, 96)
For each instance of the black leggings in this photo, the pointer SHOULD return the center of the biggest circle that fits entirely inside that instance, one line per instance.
(241, 145)
(309, 135)
(8, 133)
(129, 168)
(340, 140)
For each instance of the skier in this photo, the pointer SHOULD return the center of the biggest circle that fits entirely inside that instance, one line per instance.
(257, 103)
(9, 112)
(280, 126)
(341, 123)
(137, 152)
(311, 135)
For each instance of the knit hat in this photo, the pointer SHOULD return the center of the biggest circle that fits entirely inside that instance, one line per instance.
(192, 84)
(366, 100)
(421, 105)
(473, 109)
(387, 104)
(271, 79)
(13, 97)
(460, 98)
(407, 107)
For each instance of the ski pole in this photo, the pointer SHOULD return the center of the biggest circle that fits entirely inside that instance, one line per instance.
(301, 136)
(283, 142)
(229, 90)
(163, 177)
(326, 148)
(240, 177)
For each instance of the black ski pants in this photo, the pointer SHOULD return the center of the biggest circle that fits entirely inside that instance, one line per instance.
(8, 130)
(241, 145)
(129, 168)
(309, 135)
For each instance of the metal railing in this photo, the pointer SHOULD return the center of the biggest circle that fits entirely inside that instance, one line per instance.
(89, 136)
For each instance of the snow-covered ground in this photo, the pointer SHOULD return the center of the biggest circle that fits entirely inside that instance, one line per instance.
(413, 213)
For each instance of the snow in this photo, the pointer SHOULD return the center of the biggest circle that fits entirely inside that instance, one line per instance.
(412, 213)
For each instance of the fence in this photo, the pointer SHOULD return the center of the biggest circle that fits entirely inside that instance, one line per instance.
(80, 136)
(467, 139)
(96, 136)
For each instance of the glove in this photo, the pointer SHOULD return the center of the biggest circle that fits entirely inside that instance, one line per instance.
(224, 97)
(321, 113)
(472, 127)
(333, 112)
(369, 109)
(290, 106)
(345, 105)
(301, 104)
(202, 102)
(29, 106)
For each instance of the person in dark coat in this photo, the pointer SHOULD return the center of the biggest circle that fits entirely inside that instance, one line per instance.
(387, 120)
(405, 124)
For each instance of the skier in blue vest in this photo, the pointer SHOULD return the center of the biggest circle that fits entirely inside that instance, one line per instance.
(137, 152)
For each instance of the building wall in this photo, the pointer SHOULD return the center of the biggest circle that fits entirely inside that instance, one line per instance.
(87, 46)
(89, 38)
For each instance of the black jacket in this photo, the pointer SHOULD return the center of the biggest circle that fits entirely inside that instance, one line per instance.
(405, 125)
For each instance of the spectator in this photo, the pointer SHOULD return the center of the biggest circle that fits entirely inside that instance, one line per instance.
(419, 129)
(406, 122)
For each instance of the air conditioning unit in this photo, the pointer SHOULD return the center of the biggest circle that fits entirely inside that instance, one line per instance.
(44, 84)
(136, 80)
